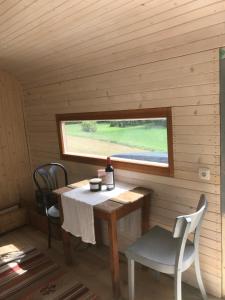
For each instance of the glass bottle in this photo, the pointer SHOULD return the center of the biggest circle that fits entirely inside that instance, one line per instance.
(109, 178)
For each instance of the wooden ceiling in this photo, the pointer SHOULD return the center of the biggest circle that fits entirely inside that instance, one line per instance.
(46, 41)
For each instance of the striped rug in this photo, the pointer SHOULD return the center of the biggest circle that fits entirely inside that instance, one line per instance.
(31, 275)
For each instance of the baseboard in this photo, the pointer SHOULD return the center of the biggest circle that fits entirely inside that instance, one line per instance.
(10, 220)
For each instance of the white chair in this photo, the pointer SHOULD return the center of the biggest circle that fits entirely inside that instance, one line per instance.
(170, 253)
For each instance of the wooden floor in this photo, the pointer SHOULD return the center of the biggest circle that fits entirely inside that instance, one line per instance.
(91, 267)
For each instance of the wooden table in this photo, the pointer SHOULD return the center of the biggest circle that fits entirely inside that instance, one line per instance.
(111, 211)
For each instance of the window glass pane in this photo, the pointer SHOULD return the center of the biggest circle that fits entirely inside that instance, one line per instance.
(142, 140)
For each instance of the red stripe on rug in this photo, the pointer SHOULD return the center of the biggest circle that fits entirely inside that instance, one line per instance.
(41, 267)
(41, 286)
(28, 267)
(37, 267)
(21, 265)
(70, 291)
(15, 255)
(23, 283)
(40, 272)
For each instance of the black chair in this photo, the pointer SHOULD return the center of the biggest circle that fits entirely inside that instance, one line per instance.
(47, 178)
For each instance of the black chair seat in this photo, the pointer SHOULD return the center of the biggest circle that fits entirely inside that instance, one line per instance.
(53, 212)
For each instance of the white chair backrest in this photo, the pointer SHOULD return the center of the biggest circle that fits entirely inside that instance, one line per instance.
(187, 224)
(194, 219)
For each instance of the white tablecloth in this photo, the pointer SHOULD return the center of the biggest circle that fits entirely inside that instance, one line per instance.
(78, 210)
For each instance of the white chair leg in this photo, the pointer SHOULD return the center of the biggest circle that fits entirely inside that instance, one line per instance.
(177, 286)
(199, 278)
(131, 263)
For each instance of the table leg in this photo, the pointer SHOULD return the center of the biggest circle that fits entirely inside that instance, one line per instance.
(98, 232)
(114, 256)
(67, 247)
(145, 214)
(65, 237)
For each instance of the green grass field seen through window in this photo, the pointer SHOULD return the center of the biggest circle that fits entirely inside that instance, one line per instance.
(152, 139)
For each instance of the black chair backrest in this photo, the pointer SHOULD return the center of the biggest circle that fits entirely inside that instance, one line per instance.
(46, 177)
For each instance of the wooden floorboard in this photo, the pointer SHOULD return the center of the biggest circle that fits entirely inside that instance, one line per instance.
(91, 267)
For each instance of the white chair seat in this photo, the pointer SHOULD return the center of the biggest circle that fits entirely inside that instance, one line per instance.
(157, 249)
(53, 212)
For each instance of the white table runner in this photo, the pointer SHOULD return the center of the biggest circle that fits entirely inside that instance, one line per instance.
(78, 210)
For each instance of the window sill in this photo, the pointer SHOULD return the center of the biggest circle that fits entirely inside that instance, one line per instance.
(160, 169)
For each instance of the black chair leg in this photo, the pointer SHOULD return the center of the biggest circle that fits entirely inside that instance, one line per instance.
(49, 233)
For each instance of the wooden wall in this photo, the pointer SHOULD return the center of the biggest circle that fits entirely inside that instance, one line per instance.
(190, 85)
(79, 56)
(15, 177)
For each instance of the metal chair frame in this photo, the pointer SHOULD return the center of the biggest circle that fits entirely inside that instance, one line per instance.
(48, 174)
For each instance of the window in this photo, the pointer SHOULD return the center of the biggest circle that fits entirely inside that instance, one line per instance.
(138, 140)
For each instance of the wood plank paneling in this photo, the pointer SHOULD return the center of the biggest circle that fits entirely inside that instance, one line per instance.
(13, 219)
(89, 56)
(15, 176)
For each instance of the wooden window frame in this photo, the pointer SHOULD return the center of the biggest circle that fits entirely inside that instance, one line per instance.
(120, 163)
